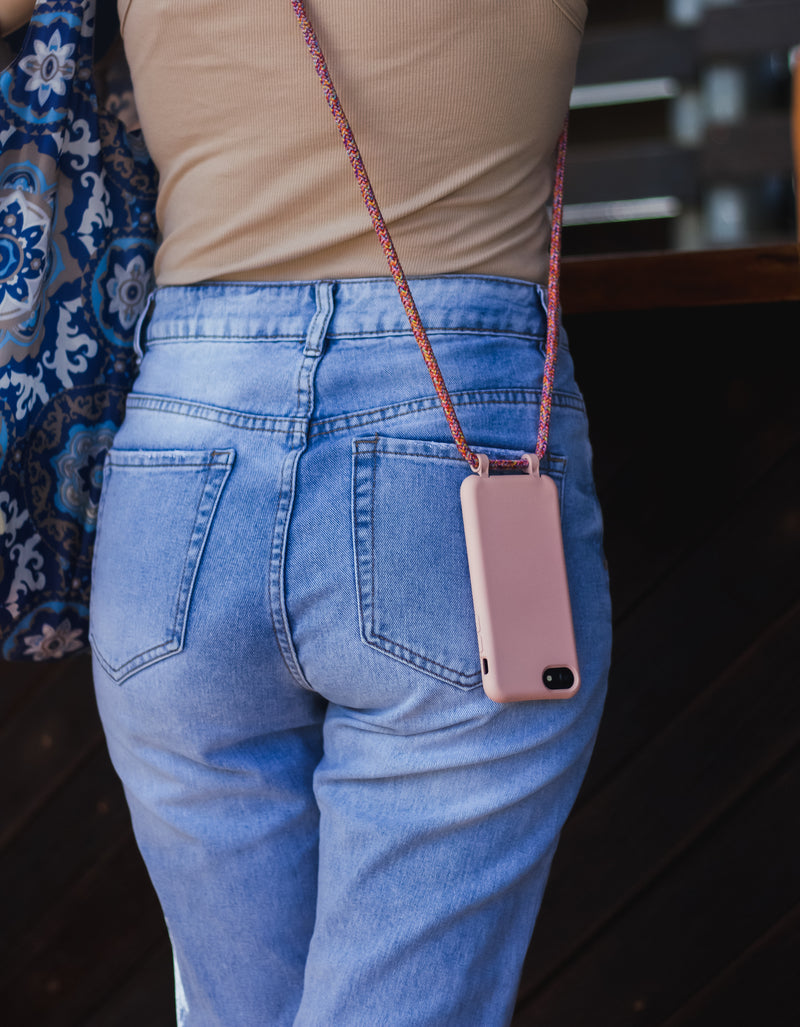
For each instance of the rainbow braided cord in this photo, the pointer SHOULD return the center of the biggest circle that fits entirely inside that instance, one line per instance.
(401, 281)
(553, 308)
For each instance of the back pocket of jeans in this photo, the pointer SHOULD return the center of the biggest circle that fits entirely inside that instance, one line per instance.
(155, 515)
(414, 597)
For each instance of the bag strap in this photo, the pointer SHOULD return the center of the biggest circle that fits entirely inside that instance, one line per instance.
(553, 319)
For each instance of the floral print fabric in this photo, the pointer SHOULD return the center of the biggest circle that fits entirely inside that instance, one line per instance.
(77, 240)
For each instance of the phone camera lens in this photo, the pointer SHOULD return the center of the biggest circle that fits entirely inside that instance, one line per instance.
(558, 678)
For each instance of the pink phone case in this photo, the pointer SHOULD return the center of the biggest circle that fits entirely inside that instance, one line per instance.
(519, 585)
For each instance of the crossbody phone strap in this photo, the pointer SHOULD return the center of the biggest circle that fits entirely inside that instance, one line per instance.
(401, 281)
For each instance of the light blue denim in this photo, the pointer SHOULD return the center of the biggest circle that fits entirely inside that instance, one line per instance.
(342, 829)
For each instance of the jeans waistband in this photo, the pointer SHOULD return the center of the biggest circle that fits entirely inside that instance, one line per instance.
(361, 307)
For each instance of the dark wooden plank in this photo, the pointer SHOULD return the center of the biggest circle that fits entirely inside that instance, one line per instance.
(762, 986)
(708, 908)
(745, 29)
(652, 235)
(706, 612)
(753, 274)
(756, 147)
(633, 170)
(69, 833)
(617, 846)
(87, 946)
(619, 123)
(616, 12)
(18, 682)
(794, 102)
(145, 999)
(665, 494)
(653, 542)
(661, 505)
(726, 395)
(628, 52)
(45, 742)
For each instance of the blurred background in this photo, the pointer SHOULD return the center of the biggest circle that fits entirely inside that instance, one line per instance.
(679, 127)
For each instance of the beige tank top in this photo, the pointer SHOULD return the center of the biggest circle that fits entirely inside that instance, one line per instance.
(456, 106)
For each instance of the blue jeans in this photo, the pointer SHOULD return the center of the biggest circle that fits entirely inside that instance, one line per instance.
(341, 827)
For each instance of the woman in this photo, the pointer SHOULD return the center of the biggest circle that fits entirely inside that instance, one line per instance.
(342, 828)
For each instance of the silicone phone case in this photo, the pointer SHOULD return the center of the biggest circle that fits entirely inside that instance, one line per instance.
(520, 593)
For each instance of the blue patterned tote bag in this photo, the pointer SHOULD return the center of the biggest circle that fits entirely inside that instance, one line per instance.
(77, 239)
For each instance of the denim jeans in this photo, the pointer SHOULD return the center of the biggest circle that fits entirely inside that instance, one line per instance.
(342, 829)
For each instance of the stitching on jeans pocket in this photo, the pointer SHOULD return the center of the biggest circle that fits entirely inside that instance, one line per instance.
(141, 594)
(412, 578)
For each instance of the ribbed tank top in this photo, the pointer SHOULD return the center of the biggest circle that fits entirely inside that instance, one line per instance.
(456, 106)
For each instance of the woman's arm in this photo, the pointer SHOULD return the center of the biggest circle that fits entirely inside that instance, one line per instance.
(14, 14)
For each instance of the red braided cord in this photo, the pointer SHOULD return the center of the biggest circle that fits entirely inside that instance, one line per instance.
(401, 281)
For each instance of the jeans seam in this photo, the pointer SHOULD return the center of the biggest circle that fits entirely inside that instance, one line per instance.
(312, 354)
(290, 426)
(561, 400)
(206, 412)
(115, 460)
(537, 339)
(277, 606)
(181, 600)
(372, 444)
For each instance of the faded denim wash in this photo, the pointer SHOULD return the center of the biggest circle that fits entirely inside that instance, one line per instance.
(341, 827)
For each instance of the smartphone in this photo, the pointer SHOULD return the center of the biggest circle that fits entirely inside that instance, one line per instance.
(523, 615)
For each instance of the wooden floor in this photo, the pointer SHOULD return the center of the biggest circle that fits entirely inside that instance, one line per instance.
(675, 894)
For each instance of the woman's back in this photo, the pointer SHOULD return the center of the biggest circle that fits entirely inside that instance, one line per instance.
(456, 109)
